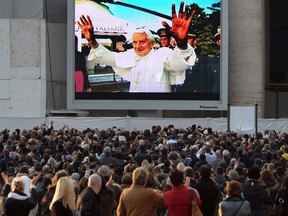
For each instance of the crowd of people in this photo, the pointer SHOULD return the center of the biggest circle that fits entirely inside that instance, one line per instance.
(157, 171)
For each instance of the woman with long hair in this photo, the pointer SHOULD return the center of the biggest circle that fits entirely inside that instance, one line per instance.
(271, 185)
(46, 201)
(63, 202)
(82, 184)
(234, 204)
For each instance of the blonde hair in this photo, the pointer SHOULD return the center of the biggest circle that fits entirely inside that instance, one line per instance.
(139, 176)
(52, 163)
(181, 166)
(145, 164)
(17, 184)
(65, 192)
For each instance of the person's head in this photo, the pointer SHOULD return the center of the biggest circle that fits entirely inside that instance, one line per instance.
(167, 163)
(164, 37)
(104, 171)
(254, 172)
(267, 175)
(234, 189)
(75, 176)
(205, 171)
(38, 167)
(47, 179)
(225, 153)
(233, 174)
(126, 179)
(176, 177)
(82, 184)
(65, 192)
(143, 42)
(58, 175)
(17, 185)
(181, 166)
(70, 169)
(95, 183)
(189, 172)
(220, 170)
(280, 171)
(139, 176)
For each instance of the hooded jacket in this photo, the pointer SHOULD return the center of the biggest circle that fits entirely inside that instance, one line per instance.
(18, 203)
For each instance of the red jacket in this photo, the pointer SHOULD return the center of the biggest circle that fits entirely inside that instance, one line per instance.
(178, 201)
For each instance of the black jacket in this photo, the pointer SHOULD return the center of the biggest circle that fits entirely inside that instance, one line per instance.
(89, 203)
(208, 192)
(18, 203)
(59, 210)
(258, 197)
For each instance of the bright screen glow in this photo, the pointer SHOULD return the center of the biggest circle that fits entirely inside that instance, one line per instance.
(93, 85)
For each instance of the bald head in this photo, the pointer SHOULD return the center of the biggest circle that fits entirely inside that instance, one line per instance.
(95, 183)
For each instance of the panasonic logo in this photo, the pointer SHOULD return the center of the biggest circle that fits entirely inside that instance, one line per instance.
(208, 107)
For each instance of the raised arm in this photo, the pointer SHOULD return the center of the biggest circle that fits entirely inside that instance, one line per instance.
(180, 25)
(88, 31)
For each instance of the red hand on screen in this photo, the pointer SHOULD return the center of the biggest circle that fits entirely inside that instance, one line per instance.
(181, 23)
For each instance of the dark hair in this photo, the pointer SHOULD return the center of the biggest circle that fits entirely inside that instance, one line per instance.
(126, 179)
(220, 170)
(166, 163)
(38, 167)
(24, 169)
(188, 172)
(258, 161)
(205, 171)
(176, 177)
(240, 170)
(280, 171)
(254, 172)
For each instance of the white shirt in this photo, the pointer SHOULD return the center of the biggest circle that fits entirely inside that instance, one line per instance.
(155, 72)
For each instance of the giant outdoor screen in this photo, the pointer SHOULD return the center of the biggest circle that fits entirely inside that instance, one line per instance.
(99, 86)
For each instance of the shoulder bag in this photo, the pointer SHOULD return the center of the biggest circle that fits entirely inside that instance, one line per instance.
(278, 208)
(195, 210)
(238, 208)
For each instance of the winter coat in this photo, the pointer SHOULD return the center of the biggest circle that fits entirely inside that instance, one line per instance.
(18, 203)
(231, 205)
(209, 193)
(258, 197)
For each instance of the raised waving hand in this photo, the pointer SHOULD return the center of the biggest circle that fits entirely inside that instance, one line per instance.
(180, 24)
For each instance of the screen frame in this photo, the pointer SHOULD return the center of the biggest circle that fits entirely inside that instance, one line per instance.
(147, 104)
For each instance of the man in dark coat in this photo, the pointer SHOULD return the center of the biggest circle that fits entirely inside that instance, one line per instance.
(142, 154)
(255, 193)
(107, 159)
(89, 200)
(208, 191)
